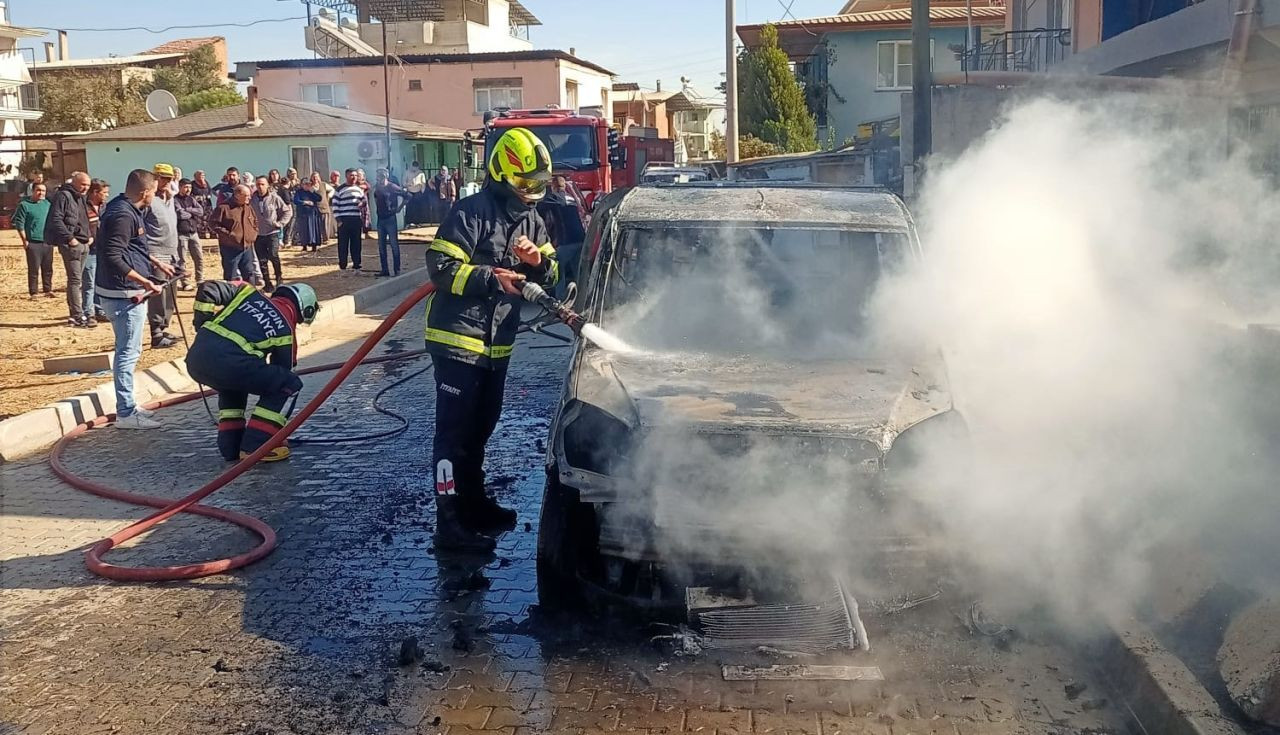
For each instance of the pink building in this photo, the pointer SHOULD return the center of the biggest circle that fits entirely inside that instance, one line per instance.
(451, 90)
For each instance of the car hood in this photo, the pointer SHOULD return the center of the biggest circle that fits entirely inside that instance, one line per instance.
(872, 398)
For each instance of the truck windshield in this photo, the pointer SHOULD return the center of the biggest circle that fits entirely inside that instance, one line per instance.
(572, 147)
(798, 292)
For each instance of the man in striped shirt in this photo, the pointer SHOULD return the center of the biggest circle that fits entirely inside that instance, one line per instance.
(351, 210)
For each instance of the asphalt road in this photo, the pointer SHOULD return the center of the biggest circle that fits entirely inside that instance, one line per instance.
(307, 641)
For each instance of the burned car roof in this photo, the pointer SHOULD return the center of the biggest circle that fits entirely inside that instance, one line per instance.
(868, 209)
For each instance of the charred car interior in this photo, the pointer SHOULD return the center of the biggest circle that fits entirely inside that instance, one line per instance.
(751, 420)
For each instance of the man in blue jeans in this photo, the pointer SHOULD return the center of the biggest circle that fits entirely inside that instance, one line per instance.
(99, 194)
(390, 199)
(237, 229)
(123, 282)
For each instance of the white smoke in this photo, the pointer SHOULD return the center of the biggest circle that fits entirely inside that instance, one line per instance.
(1090, 269)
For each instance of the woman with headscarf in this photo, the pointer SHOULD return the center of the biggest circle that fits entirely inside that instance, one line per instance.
(288, 186)
(307, 202)
(367, 188)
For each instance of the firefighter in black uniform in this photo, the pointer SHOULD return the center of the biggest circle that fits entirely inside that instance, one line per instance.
(245, 345)
(487, 246)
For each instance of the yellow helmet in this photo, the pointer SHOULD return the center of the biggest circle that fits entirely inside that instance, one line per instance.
(522, 162)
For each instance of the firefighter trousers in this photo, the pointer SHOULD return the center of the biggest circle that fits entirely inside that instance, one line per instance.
(240, 430)
(468, 404)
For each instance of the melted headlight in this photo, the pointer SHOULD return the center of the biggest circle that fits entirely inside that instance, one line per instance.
(596, 441)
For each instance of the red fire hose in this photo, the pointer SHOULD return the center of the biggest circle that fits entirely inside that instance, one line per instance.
(169, 508)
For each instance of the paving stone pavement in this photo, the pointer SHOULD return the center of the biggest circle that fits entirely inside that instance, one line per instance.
(306, 641)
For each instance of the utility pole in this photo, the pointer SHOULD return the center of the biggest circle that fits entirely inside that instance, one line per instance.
(731, 89)
(921, 90)
(386, 91)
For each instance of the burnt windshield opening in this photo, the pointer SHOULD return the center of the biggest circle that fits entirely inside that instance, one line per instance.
(798, 292)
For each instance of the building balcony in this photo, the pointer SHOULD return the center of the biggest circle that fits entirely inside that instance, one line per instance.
(1033, 50)
(17, 102)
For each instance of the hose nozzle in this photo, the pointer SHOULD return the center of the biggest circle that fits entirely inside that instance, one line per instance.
(534, 294)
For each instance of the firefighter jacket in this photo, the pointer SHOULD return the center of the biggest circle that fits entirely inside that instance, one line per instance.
(469, 317)
(242, 322)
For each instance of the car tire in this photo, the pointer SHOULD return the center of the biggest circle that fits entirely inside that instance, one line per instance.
(559, 538)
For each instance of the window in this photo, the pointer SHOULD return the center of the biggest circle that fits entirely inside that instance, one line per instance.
(307, 159)
(571, 95)
(333, 95)
(893, 64)
(415, 85)
(491, 98)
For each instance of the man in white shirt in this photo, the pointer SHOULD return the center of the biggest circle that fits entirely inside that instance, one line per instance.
(418, 209)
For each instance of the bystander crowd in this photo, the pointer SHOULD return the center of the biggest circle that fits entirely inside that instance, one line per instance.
(351, 210)
(191, 217)
(389, 199)
(37, 177)
(310, 208)
(236, 228)
(273, 216)
(225, 191)
(68, 229)
(443, 194)
(29, 220)
(95, 200)
(123, 281)
(161, 221)
(288, 186)
(415, 182)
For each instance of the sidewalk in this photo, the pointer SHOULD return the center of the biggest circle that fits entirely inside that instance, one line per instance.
(39, 428)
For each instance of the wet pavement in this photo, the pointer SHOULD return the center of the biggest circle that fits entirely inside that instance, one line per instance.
(354, 625)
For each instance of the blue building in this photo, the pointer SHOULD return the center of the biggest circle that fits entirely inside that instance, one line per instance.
(856, 65)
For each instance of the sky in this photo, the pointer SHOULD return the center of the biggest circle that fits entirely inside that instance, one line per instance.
(639, 41)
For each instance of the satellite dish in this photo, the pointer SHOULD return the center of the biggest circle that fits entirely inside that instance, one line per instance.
(162, 105)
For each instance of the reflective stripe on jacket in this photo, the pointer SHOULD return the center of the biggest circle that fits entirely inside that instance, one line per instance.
(237, 313)
(469, 317)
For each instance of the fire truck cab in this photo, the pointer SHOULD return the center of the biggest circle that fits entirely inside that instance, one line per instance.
(584, 149)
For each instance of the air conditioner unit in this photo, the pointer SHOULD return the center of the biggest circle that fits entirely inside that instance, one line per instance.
(374, 149)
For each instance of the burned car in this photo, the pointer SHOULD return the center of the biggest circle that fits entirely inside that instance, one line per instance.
(737, 413)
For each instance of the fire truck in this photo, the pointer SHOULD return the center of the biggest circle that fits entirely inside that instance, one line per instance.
(585, 149)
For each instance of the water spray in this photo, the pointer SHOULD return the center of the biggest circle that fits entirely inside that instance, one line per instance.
(558, 310)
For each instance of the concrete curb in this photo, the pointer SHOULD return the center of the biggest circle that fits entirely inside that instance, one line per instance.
(1157, 687)
(38, 429)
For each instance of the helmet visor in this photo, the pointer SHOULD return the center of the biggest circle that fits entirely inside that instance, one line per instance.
(529, 187)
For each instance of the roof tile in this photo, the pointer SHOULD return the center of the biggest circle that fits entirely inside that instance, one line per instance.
(280, 119)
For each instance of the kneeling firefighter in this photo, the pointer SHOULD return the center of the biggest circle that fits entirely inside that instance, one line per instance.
(486, 248)
(245, 345)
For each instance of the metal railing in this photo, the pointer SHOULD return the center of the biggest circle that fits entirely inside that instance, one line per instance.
(1032, 50)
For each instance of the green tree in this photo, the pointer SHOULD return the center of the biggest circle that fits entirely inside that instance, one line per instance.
(87, 101)
(195, 72)
(208, 99)
(749, 146)
(771, 104)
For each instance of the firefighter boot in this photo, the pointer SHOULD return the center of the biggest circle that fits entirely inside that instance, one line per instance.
(230, 434)
(275, 455)
(482, 513)
(452, 535)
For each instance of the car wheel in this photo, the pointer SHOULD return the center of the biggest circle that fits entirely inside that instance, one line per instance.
(559, 540)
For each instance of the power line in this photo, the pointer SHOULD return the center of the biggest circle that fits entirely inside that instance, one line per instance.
(173, 28)
(786, 10)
